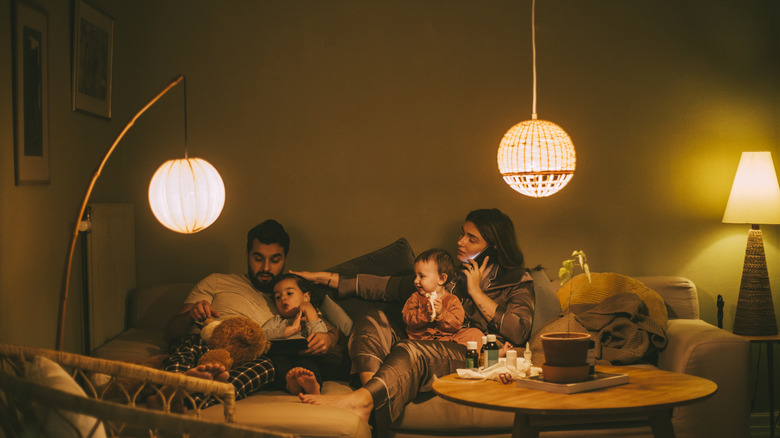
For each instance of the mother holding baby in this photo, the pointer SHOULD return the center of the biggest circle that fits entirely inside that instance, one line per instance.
(497, 297)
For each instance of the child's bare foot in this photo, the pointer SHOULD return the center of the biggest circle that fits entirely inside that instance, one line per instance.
(359, 401)
(305, 381)
(292, 381)
(211, 371)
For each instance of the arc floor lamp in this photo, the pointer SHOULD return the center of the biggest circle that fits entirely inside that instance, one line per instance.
(186, 195)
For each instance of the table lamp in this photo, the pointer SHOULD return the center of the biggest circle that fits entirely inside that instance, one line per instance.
(186, 195)
(755, 200)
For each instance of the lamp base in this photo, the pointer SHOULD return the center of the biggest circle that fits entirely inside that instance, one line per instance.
(755, 310)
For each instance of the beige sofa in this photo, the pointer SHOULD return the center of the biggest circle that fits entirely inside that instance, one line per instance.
(695, 347)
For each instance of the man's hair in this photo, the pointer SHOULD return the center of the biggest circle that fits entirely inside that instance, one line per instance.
(444, 262)
(497, 229)
(303, 284)
(268, 232)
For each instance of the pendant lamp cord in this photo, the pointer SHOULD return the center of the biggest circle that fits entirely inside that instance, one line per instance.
(186, 145)
(533, 44)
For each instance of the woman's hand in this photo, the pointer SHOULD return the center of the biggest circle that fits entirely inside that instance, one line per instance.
(474, 273)
(330, 279)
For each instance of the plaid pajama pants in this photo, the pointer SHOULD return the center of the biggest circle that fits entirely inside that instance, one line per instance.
(246, 378)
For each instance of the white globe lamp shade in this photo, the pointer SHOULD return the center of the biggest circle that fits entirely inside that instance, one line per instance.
(536, 158)
(186, 195)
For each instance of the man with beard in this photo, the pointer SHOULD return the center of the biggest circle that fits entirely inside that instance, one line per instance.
(222, 296)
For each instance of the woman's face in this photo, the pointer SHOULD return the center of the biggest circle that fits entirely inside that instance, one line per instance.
(470, 242)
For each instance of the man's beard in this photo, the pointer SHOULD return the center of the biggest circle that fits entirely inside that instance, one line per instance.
(263, 286)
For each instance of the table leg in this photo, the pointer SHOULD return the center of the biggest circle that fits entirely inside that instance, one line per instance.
(523, 427)
(661, 423)
(770, 373)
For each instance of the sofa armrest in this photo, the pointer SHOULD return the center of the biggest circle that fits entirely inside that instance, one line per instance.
(701, 349)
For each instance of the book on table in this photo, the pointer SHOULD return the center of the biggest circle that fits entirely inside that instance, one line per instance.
(597, 380)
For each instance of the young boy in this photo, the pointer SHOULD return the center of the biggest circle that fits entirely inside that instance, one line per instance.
(297, 319)
(433, 312)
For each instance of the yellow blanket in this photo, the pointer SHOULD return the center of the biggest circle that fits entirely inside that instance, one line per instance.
(604, 285)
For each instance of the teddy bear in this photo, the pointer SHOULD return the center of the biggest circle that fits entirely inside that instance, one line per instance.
(233, 341)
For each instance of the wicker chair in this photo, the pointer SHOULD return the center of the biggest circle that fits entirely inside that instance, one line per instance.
(114, 390)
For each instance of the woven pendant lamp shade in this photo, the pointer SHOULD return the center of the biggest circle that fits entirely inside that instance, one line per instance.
(536, 158)
(186, 195)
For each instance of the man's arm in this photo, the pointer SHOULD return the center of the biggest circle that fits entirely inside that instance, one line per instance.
(181, 324)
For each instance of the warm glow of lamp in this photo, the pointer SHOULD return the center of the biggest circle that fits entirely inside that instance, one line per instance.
(186, 195)
(536, 157)
(755, 200)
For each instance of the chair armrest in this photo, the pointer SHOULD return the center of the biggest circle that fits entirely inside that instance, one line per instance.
(701, 349)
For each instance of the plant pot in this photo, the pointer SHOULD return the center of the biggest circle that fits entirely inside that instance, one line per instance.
(565, 357)
(565, 348)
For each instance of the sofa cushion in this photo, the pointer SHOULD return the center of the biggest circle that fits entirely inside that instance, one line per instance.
(394, 259)
(282, 412)
(546, 306)
(56, 422)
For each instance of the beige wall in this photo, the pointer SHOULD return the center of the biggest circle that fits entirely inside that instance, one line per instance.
(355, 123)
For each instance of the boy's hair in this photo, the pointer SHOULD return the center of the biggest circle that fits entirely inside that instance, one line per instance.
(269, 232)
(303, 284)
(444, 262)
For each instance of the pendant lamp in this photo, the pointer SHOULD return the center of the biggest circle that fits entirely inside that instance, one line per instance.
(186, 196)
(536, 157)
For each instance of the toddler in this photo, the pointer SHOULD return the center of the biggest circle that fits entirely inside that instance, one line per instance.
(433, 312)
(297, 319)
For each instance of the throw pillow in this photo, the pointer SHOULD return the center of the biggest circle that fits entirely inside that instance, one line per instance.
(546, 306)
(394, 259)
(45, 372)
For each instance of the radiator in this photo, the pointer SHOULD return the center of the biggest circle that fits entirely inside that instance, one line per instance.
(110, 271)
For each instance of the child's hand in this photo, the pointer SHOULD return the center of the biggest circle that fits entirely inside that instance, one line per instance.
(438, 307)
(294, 327)
(308, 311)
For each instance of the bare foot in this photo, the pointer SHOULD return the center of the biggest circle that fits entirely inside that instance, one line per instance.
(293, 387)
(365, 376)
(305, 381)
(211, 371)
(359, 401)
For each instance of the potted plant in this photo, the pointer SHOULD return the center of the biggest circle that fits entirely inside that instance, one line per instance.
(566, 353)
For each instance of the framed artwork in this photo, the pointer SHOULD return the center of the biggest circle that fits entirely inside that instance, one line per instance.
(93, 52)
(30, 94)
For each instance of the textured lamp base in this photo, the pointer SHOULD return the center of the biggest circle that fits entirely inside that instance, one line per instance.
(755, 310)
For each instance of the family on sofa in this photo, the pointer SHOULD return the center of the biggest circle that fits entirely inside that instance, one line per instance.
(497, 296)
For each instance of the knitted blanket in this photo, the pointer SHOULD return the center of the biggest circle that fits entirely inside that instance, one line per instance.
(620, 326)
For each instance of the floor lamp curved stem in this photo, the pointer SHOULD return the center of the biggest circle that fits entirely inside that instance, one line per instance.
(85, 201)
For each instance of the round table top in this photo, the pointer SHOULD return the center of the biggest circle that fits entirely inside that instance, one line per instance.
(648, 389)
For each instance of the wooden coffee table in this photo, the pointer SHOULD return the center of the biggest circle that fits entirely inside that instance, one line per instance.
(651, 393)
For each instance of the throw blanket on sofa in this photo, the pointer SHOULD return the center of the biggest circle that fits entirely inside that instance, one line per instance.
(620, 325)
(606, 284)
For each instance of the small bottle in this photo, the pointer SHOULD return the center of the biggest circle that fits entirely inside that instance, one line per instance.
(482, 351)
(511, 359)
(527, 353)
(491, 352)
(591, 355)
(472, 357)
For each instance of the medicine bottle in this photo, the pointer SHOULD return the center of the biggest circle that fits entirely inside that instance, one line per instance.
(482, 351)
(472, 357)
(491, 352)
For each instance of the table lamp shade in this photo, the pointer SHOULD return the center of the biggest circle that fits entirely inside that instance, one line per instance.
(186, 195)
(755, 195)
(755, 200)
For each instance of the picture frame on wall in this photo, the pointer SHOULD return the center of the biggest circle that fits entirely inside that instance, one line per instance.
(93, 53)
(30, 41)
